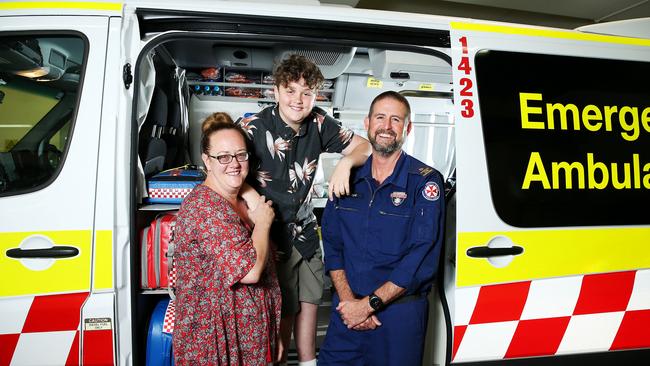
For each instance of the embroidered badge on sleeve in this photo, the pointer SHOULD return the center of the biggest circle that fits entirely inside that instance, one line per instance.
(431, 191)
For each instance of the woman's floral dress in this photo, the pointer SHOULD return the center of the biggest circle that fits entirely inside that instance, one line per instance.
(220, 321)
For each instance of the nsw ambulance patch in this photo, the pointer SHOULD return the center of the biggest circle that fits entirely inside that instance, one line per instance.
(397, 198)
(431, 191)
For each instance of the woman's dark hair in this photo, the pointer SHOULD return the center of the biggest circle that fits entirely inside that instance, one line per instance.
(215, 123)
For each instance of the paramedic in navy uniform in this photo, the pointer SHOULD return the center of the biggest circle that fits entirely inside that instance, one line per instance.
(382, 244)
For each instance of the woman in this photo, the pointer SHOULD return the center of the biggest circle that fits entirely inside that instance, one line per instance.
(227, 294)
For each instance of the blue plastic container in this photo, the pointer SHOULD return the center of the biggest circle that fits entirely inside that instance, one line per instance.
(159, 343)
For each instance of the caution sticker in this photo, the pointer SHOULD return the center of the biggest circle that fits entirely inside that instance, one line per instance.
(374, 83)
(97, 324)
(426, 87)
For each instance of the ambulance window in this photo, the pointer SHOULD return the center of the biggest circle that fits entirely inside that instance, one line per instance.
(39, 82)
(566, 138)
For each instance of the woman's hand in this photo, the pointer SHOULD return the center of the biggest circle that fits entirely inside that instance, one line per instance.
(262, 214)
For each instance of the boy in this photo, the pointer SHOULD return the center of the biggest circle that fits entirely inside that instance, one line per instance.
(288, 139)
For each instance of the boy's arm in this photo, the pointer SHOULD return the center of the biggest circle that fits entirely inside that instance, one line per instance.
(355, 154)
(250, 195)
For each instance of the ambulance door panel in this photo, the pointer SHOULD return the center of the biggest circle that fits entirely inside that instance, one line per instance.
(51, 92)
(553, 165)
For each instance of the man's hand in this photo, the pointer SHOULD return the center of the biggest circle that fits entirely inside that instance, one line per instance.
(339, 183)
(354, 312)
(370, 324)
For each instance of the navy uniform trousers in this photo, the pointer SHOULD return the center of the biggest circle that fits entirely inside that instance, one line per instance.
(398, 341)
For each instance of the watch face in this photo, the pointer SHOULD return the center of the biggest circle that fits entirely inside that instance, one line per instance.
(375, 302)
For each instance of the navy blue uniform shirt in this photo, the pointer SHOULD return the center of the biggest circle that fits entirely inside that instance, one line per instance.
(388, 232)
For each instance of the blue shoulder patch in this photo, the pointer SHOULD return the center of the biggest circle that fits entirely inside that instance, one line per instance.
(431, 191)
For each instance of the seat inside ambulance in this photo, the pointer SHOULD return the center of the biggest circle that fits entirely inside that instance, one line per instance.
(162, 136)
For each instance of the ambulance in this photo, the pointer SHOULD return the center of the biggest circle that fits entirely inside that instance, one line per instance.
(543, 136)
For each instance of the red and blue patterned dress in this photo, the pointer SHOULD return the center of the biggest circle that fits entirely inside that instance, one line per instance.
(220, 321)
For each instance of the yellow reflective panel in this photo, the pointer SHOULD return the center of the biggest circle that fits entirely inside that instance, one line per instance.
(103, 276)
(549, 33)
(64, 275)
(60, 5)
(555, 253)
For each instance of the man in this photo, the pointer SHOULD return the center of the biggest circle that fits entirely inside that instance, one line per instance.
(382, 244)
(288, 140)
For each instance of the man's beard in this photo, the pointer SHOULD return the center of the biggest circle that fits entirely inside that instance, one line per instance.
(385, 149)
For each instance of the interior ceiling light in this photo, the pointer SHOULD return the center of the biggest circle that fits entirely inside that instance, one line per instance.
(34, 73)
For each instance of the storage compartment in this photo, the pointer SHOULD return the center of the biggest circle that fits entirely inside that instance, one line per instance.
(244, 85)
(400, 65)
(144, 300)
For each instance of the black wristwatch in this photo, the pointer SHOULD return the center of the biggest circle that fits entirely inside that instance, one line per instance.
(375, 302)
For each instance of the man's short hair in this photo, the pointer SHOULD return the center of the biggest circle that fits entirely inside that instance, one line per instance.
(392, 95)
(295, 67)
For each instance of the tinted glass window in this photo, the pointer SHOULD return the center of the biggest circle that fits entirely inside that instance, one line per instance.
(567, 138)
(39, 83)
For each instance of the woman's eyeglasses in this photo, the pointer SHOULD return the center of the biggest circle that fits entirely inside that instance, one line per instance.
(227, 158)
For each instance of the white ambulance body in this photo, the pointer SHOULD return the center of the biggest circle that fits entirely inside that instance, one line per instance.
(546, 131)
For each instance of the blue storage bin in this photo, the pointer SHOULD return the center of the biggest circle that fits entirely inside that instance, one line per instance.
(159, 336)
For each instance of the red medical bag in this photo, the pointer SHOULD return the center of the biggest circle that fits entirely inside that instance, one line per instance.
(154, 241)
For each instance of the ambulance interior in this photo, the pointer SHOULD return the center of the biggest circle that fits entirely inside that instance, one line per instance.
(182, 81)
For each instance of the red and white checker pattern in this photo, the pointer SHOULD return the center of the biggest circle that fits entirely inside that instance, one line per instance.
(169, 192)
(172, 277)
(170, 317)
(590, 313)
(40, 329)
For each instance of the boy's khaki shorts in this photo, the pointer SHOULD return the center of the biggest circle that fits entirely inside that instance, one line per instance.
(300, 281)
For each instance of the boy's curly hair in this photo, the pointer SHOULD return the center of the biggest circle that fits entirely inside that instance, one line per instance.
(295, 67)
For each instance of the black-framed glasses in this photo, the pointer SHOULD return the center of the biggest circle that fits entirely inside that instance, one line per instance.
(227, 158)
